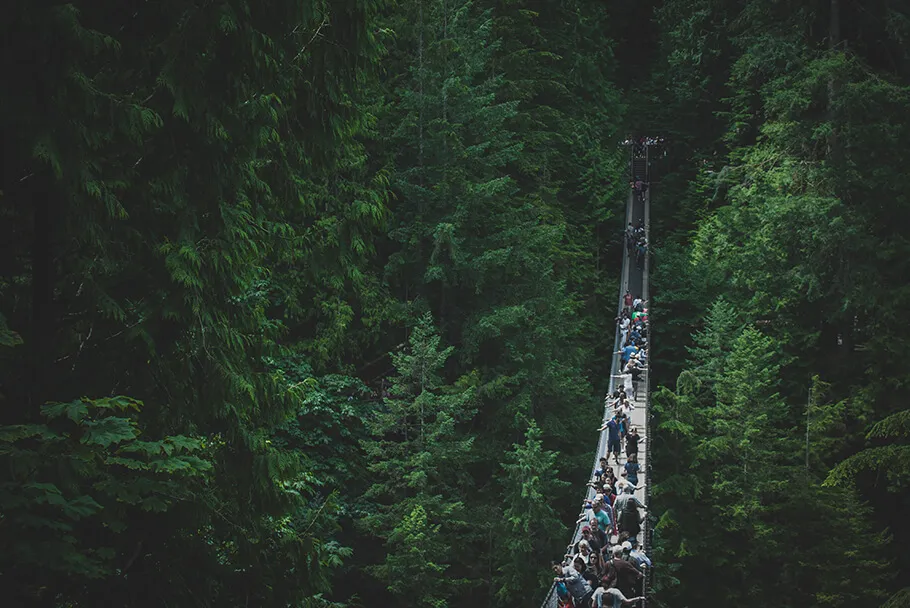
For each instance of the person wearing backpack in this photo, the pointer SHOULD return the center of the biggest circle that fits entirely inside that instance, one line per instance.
(621, 574)
(626, 512)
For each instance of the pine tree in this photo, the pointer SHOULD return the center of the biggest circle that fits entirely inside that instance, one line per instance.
(412, 567)
(795, 212)
(738, 490)
(713, 343)
(418, 456)
(531, 528)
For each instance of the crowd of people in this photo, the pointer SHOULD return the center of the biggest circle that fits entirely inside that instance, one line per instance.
(637, 243)
(639, 145)
(607, 566)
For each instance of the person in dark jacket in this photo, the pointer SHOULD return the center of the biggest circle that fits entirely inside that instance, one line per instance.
(595, 543)
(626, 508)
(632, 441)
(622, 574)
(640, 254)
(588, 573)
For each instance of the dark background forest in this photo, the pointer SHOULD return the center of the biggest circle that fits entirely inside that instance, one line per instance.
(310, 303)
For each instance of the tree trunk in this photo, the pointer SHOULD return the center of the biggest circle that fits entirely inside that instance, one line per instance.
(833, 85)
(42, 322)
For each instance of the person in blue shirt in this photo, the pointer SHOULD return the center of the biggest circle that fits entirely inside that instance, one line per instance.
(604, 521)
(632, 468)
(614, 436)
(627, 352)
(638, 558)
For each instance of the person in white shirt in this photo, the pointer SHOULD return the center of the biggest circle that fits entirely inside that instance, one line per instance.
(612, 598)
(584, 552)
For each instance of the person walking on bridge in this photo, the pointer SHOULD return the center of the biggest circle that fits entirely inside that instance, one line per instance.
(621, 573)
(614, 436)
(632, 441)
(626, 352)
(595, 542)
(638, 558)
(626, 508)
(632, 468)
(612, 598)
(635, 369)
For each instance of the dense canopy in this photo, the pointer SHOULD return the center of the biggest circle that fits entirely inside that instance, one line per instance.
(311, 302)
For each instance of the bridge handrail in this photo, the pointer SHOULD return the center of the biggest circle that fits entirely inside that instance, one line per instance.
(550, 599)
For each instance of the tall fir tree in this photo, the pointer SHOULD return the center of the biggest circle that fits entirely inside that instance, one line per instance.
(418, 456)
(531, 528)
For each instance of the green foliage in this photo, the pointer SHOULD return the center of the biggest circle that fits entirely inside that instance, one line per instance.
(500, 122)
(411, 567)
(232, 212)
(76, 482)
(890, 461)
(737, 491)
(198, 192)
(8, 337)
(785, 200)
(530, 523)
(714, 343)
(328, 427)
(417, 458)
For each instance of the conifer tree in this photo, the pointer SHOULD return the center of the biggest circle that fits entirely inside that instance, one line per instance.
(742, 491)
(531, 528)
(712, 344)
(191, 145)
(418, 456)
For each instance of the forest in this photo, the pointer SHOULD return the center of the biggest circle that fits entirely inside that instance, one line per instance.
(311, 303)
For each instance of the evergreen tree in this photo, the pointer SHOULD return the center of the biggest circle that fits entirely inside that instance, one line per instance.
(531, 526)
(418, 456)
(714, 342)
(780, 198)
(736, 490)
(164, 170)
